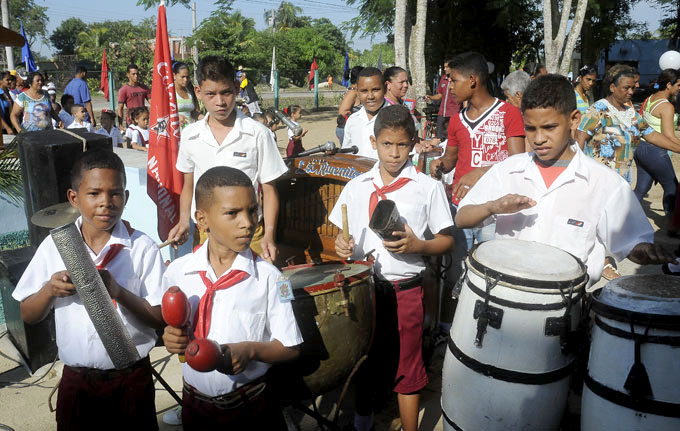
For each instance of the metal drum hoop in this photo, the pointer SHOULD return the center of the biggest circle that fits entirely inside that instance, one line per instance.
(658, 321)
(331, 286)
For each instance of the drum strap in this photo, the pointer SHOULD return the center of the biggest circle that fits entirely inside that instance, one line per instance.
(643, 405)
(484, 312)
(509, 375)
(519, 305)
(637, 383)
(655, 339)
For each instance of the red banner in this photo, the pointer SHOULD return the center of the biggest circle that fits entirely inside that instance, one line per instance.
(164, 181)
(104, 79)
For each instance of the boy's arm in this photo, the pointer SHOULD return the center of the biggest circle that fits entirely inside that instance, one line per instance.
(88, 108)
(469, 216)
(446, 162)
(270, 352)
(149, 315)
(270, 203)
(36, 307)
(119, 113)
(410, 244)
(180, 232)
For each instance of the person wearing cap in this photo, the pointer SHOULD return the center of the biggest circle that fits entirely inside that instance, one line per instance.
(21, 84)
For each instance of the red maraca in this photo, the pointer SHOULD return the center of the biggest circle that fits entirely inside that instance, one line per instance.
(206, 355)
(176, 309)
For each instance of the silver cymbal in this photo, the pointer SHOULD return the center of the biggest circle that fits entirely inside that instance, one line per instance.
(55, 216)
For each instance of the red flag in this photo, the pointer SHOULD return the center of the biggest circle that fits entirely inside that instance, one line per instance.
(164, 181)
(104, 80)
(312, 71)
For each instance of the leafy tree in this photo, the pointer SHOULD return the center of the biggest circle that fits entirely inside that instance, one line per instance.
(63, 38)
(375, 17)
(369, 57)
(286, 16)
(92, 41)
(226, 34)
(670, 24)
(605, 22)
(33, 17)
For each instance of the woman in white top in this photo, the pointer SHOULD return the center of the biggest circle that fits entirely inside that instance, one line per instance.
(187, 103)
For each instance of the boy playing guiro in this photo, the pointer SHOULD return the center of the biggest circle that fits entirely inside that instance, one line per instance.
(558, 196)
(226, 137)
(235, 302)
(130, 263)
(396, 353)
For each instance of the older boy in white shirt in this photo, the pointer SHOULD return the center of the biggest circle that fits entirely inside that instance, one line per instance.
(396, 354)
(226, 137)
(246, 314)
(131, 266)
(556, 195)
(359, 126)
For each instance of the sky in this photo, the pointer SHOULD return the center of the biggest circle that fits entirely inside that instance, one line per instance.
(179, 17)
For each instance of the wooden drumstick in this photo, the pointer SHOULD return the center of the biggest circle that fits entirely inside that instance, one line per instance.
(345, 227)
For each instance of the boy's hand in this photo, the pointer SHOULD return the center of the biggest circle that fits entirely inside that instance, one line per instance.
(434, 165)
(407, 242)
(510, 204)
(179, 233)
(111, 284)
(60, 285)
(269, 249)
(343, 248)
(241, 355)
(647, 253)
(175, 339)
(466, 183)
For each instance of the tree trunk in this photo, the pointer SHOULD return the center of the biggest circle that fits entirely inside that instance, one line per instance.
(557, 55)
(400, 36)
(576, 24)
(417, 57)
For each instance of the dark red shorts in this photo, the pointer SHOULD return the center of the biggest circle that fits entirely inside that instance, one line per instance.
(102, 400)
(411, 375)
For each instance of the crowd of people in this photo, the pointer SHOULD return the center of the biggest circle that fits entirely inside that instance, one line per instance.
(544, 165)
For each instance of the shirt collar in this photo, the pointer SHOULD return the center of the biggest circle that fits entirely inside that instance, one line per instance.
(119, 235)
(409, 171)
(240, 127)
(577, 166)
(244, 261)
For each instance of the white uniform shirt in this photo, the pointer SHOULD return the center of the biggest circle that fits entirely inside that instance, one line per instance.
(138, 267)
(290, 131)
(248, 146)
(588, 209)
(137, 135)
(422, 204)
(115, 135)
(358, 131)
(84, 125)
(250, 310)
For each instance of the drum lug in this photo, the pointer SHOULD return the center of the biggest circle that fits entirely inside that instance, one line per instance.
(554, 326)
(486, 315)
(343, 305)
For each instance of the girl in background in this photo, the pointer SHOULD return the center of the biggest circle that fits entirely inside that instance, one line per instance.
(137, 134)
(294, 142)
(187, 103)
(586, 79)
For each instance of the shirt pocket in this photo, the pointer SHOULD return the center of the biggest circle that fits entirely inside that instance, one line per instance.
(415, 215)
(577, 235)
(244, 326)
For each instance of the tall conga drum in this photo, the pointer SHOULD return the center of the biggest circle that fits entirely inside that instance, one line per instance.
(633, 380)
(508, 364)
(334, 309)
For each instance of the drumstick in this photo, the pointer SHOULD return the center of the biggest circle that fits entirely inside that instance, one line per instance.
(166, 243)
(345, 228)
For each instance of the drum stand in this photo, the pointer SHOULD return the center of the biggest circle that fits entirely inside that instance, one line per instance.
(331, 421)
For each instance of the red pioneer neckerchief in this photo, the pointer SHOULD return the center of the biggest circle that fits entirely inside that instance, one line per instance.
(382, 191)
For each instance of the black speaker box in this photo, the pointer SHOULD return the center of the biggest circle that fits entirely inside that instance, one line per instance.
(36, 343)
(46, 160)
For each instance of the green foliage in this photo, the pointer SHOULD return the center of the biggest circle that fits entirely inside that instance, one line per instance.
(148, 4)
(369, 57)
(64, 37)
(375, 17)
(11, 184)
(670, 23)
(604, 23)
(34, 18)
(226, 34)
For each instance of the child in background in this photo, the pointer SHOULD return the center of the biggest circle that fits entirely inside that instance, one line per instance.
(294, 142)
(79, 122)
(91, 389)
(108, 129)
(273, 123)
(66, 106)
(137, 134)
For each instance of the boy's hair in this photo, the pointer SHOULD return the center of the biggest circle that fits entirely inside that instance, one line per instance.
(215, 68)
(396, 117)
(137, 112)
(259, 117)
(109, 113)
(471, 63)
(516, 81)
(368, 72)
(66, 98)
(352, 74)
(614, 75)
(96, 159)
(391, 72)
(219, 176)
(76, 105)
(130, 67)
(80, 70)
(550, 91)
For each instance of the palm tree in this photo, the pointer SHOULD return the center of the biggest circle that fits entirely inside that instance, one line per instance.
(91, 40)
(286, 15)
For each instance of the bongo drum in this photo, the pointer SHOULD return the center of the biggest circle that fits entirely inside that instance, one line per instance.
(508, 364)
(633, 379)
(334, 309)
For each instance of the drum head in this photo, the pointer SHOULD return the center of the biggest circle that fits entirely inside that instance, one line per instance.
(318, 277)
(526, 260)
(651, 294)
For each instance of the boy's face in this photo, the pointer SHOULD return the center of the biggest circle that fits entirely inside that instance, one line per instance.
(461, 85)
(143, 120)
(68, 106)
(549, 132)
(371, 92)
(133, 76)
(100, 198)
(79, 114)
(393, 146)
(5, 82)
(231, 218)
(106, 121)
(219, 97)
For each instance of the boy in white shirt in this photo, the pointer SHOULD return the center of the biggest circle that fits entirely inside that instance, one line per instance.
(422, 204)
(235, 302)
(130, 263)
(558, 196)
(359, 126)
(79, 121)
(108, 129)
(226, 137)
(66, 106)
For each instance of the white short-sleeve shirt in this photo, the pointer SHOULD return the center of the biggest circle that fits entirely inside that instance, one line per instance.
(138, 267)
(358, 131)
(250, 310)
(84, 125)
(586, 211)
(115, 135)
(422, 204)
(248, 146)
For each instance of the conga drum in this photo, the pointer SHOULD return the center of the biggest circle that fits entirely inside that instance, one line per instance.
(334, 309)
(633, 380)
(508, 364)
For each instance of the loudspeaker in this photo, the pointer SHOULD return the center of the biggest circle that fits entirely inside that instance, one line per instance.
(36, 343)
(46, 160)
